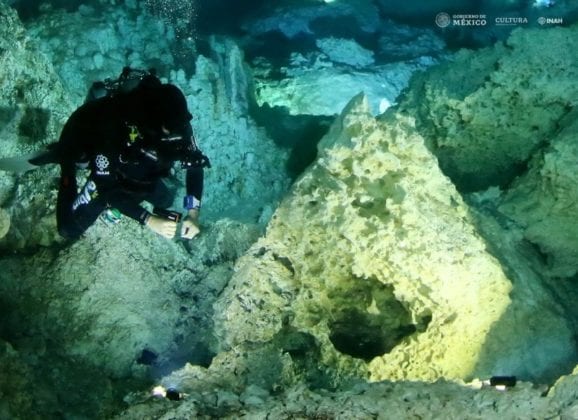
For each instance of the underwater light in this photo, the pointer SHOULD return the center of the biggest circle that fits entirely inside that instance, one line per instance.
(159, 391)
(384, 104)
(173, 394)
(168, 393)
(501, 383)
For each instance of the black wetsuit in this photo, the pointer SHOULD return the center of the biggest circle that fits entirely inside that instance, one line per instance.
(120, 145)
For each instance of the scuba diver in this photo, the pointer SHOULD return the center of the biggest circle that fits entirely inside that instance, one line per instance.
(129, 139)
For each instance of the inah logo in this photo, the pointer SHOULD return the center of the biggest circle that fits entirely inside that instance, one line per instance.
(553, 21)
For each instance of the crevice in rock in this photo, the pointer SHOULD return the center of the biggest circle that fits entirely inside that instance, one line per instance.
(33, 126)
(367, 319)
(299, 133)
(305, 354)
(362, 336)
(473, 182)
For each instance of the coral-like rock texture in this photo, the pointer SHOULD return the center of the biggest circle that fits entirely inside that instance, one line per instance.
(544, 202)
(33, 107)
(486, 113)
(33, 103)
(373, 254)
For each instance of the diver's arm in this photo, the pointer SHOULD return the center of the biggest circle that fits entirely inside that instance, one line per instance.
(127, 206)
(192, 202)
(194, 185)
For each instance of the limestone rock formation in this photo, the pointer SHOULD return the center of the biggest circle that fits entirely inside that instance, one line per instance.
(84, 47)
(401, 42)
(487, 112)
(219, 97)
(4, 222)
(15, 379)
(32, 99)
(334, 84)
(544, 201)
(33, 107)
(346, 51)
(321, 80)
(303, 18)
(120, 302)
(511, 124)
(376, 257)
(367, 400)
(372, 269)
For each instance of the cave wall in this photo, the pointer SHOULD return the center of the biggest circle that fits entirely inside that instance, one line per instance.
(486, 113)
(544, 200)
(33, 107)
(373, 268)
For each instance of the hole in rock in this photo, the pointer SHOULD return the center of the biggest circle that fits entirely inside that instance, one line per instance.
(468, 182)
(367, 320)
(33, 125)
(147, 357)
(364, 336)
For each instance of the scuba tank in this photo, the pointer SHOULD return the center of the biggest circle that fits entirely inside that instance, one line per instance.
(128, 80)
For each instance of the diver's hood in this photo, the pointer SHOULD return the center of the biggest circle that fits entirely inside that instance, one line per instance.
(171, 106)
(159, 105)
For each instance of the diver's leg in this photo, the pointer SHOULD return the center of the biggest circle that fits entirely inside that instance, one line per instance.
(76, 215)
(67, 192)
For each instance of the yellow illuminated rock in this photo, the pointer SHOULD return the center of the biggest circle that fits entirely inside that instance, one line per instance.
(375, 255)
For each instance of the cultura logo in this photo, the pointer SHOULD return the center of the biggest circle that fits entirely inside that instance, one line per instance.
(511, 21)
